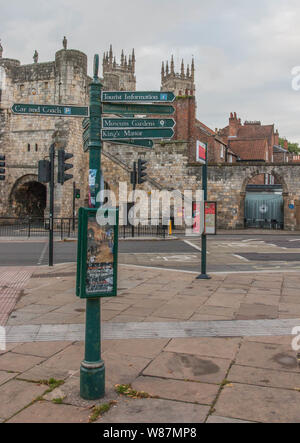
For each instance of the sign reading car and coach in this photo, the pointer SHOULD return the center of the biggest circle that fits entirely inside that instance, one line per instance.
(50, 110)
(137, 97)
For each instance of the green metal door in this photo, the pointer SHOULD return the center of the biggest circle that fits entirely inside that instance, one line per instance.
(264, 211)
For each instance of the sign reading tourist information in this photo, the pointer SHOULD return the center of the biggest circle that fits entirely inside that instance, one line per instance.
(136, 109)
(210, 212)
(137, 97)
(114, 134)
(201, 149)
(133, 123)
(51, 110)
(97, 253)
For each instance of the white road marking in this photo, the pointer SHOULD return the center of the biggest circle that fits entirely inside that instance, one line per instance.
(43, 254)
(192, 245)
(240, 257)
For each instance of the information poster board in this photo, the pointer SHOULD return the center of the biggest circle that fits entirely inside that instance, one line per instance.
(97, 272)
(201, 152)
(210, 218)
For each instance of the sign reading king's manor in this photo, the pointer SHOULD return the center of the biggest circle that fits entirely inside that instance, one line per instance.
(97, 272)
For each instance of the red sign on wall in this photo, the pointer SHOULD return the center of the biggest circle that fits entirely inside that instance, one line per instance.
(201, 152)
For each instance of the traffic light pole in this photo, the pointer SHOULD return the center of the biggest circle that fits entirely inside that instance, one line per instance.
(204, 275)
(51, 214)
(134, 189)
(92, 372)
(74, 199)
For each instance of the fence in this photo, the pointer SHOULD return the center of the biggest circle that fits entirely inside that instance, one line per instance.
(31, 227)
(37, 227)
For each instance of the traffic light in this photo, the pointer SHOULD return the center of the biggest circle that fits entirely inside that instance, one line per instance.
(44, 175)
(2, 167)
(77, 194)
(141, 171)
(63, 166)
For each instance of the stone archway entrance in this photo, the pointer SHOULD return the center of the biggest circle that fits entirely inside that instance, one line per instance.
(28, 197)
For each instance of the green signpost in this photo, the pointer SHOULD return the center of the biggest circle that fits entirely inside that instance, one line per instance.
(137, 97)
(50, 110)
(89, 279)
(112, 134)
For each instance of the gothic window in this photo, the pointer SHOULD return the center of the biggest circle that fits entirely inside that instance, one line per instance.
(28, 147)
(36, 147)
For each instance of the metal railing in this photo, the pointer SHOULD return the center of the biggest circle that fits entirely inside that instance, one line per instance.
(31, 227)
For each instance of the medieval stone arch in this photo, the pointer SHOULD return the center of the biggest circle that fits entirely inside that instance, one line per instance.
(28, 197)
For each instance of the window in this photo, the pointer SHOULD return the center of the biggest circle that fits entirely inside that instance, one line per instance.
(222, 152)
(36, 148)
(28, 147)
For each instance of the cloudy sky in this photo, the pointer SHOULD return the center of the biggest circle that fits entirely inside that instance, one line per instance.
(244, 50)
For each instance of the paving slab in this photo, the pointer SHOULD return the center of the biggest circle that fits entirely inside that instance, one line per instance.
(155, 411)
(41, 349)
(268, 356)
(201, 393)
(259, 404)
(208, 347)
(257, 311)
(139, 348)
(6, 376)
(123, 369)
(17, 362)
(15, 395)
(214, 419)
(264, 377)
(188, 367)
(47, 412)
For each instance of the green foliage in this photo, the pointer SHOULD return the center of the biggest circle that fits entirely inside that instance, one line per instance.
(292, 147)
(127, 391)
(98, 411)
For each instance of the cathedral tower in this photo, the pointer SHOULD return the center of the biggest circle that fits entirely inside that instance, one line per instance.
(119, 77)
(181, 84)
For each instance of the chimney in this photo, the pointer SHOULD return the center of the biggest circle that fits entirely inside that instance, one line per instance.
(276, 138)
(286, 144)
(234, 125)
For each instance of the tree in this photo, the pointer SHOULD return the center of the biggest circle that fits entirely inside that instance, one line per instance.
(292, 147)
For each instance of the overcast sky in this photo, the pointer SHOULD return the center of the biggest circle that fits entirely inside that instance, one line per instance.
(244, 50)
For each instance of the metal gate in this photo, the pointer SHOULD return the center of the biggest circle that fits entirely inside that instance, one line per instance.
(264, 211)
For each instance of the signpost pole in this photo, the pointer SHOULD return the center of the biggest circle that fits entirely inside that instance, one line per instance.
(92, 373)
(204, 275)
(51, 213)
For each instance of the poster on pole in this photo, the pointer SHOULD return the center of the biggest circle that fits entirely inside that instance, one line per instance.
(201, 152)
(97, 255)
(210, 218)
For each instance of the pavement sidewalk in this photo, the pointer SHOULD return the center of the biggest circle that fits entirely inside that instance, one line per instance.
(176, 349)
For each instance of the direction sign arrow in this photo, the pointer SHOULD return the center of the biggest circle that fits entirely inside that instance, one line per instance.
(115, 108)
(112, 134)
(137, 143)
(50, 110)
(134, 123)
(137, 97)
